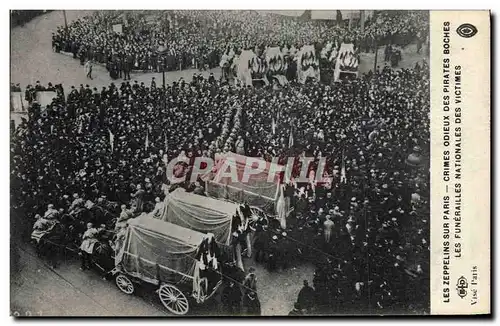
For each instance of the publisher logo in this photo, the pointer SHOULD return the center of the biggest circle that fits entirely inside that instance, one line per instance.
(467, 30)
(462, 286)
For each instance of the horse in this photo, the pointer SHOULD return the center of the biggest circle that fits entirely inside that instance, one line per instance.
(78, 219)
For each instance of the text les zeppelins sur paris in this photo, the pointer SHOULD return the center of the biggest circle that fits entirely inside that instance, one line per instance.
(452, 161)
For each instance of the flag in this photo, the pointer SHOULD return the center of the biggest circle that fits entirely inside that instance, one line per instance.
(274, 126)
(290, 139)
(111, 140)
(146, 145)
(343, 177)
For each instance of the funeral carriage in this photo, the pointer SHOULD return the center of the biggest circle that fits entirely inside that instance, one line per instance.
(185, 266)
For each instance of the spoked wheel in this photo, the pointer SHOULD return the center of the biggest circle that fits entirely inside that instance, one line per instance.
(173, 299)
(124, 284)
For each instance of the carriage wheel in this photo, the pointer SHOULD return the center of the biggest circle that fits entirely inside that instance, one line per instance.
(173, 299)
(124, 284)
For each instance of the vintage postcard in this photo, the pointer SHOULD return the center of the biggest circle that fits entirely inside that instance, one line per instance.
(249, 163)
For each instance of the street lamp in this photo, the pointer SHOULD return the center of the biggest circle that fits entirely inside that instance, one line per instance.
(65, 20)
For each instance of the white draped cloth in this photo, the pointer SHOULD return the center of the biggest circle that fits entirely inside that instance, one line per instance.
(240, 147)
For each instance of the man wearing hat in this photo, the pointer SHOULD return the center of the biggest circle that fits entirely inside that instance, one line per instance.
(77, 204)
(307, 297)
(231, 299)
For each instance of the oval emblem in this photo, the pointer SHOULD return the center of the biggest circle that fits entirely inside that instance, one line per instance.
(462, 286)
(467, 30)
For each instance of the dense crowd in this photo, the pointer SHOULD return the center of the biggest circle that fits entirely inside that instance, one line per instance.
(368, 230)
(193, 38)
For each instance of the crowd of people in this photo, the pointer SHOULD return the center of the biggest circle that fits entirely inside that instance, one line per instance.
(379, 212)
(191, 38)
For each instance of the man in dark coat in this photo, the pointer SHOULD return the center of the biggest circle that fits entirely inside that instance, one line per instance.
(139, 199)
(211, 78)
(119, 65)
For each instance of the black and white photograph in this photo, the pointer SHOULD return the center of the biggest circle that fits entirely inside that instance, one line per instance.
(221, 163)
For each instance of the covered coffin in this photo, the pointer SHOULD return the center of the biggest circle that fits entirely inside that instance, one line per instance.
(155, 250)
(200, 213)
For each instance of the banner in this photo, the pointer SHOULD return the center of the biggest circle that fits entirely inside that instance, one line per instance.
(307, 64)
(347, 61)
